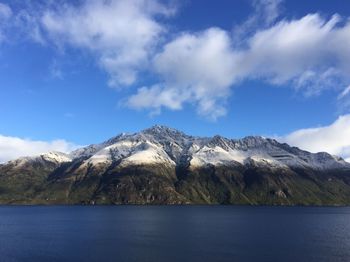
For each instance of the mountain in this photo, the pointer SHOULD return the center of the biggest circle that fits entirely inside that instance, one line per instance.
(161, 165)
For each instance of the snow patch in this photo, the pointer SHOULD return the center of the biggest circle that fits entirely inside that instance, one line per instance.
(56, 157)
(148, 153)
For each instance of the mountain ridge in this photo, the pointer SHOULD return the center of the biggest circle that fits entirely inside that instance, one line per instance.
(162, 165)
(163, 134)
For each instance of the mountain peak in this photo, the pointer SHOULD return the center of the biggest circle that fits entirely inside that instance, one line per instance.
(159, 128)
(163, 131)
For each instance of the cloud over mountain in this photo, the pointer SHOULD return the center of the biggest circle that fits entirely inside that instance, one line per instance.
(121, 34)
(309, 54)
(196, 68)
(166, 65)
(15, 147)
(131, 38)
(334, 138)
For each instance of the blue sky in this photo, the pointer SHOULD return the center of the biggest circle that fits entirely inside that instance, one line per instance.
(75, 73)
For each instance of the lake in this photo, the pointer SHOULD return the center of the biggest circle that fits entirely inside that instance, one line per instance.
(174, 233)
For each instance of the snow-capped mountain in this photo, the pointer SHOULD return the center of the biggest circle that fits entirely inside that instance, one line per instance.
(54, 158)
(161, 144)
(161, 165)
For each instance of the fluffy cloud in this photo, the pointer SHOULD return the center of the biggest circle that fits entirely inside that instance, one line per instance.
(14, 147)
(155, 97)
(334, 139)
(300, 51)
(310, 53)
(196, 68)
(122, 33)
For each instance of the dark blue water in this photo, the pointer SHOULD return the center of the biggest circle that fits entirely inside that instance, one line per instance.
(174, 233)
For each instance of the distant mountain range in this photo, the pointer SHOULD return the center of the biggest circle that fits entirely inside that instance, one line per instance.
(161, 165)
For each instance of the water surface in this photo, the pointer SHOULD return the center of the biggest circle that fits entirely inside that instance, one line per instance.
(174, 233)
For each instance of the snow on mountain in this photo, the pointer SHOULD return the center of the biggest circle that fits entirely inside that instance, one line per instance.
(52, 157)
(57, 157)
(148, 153)
(132, 151)
(216, 155)
(164, 145)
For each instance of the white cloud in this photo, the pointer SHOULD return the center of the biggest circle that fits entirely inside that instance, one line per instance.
(287, 50)
(121, 33)
(201, 68)
(14, 147)
(311, 53)
(195, 68)
(334, 139)
(155, 97)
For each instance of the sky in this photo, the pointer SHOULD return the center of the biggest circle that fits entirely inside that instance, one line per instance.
(74, 73)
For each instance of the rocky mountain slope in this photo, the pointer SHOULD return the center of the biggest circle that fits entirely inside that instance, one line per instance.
(161, 165)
